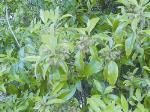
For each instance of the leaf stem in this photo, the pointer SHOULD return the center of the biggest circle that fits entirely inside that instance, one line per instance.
(7, 19)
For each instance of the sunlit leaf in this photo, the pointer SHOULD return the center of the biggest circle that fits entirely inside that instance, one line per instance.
(79, 63)
(91, 24)
(98, 86)
(134, 23)
(32, 58)
(129, 44)
(92, 68)
(112, 72)
(146, 68)
(55, 101)
(108, 90)
(65, 16)
(124, 103)
(57, 87)
(44, 15)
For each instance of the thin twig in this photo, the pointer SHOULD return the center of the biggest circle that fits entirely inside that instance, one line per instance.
(7, 19)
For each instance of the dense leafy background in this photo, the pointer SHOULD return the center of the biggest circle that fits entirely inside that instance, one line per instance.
(74, 56)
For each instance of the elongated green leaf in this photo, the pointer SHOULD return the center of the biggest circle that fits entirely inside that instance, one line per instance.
(55, 101)
(79, 63)
(146, 31)
(80, 30)
(57, 87)
(129, 44)
(112, 72)
(138, 94)
(124, 103)
(93, 105)
(44, 15)
(124, 2)
(134, 23)
(44, 70)
(133, 2)
(2, 88)
(115, 25)
(108, 90)
(63, 67)
(92, 68)
(98, 86)
(94, 52)
(105, 72)
(147, 14)
(91, 24)
(65, 16)
(53, 39)
(45, 38)
(102, 36)
(32, 58)
(146, 68)
(144, 2)
(67, 94)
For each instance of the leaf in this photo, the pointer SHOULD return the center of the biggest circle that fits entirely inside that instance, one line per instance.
(44, 15)
(9, 0)
(94, 52)
(2, 88)
(44, 70)
(1, 73)
(65, 16)
(146, 31)
(123, 2)
(134, 24)
(57, 87)
(138, 94)
(79, 85)
(120, 27)
(124, 103)
(99, 102)
(112, 72)
(94, 105)
(56, 14)
(45, 38)
(147, 14)
(49, 39)
(109, 22)
(93, 2)
(80, 30)
(105, 72)
(141, 108)
(108, 90)
(115, 25)
(146, 68)
(144, 2)
(92, 68)
(71, 93)
(79, 63)
(55, 101)
(32, 58)
(91, 24)
(133, 2)
(63, 67)
(102, 36)
(129, 44)
(67, 94)
(98, 86)
(52, 39)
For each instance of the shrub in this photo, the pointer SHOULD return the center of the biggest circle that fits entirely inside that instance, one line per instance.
(74, 55)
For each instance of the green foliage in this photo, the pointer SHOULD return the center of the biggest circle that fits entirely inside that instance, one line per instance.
(74, 55)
